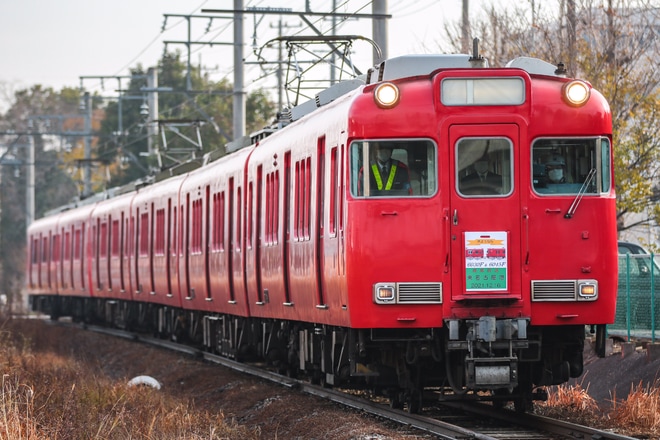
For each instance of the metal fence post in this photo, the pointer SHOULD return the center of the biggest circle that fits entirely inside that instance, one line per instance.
(628, 295)
(652, 297)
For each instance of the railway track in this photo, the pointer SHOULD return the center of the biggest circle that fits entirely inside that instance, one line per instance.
(453, 420)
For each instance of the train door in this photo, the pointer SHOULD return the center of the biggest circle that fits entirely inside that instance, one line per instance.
(485, 212)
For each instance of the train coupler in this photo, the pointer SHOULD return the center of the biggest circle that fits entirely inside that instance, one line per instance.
(491, 373)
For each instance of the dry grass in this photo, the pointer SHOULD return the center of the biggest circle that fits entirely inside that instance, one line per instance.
(47, 396)
(638, 415)
(572, 403)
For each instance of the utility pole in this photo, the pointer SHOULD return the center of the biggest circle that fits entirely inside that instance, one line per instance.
(572, 23)
(465, 28)
(30, 186)
(239, 92)
(379, 22)
(86, 106)
(152, 100)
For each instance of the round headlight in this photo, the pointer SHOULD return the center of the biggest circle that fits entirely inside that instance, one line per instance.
(386, 95)
(576, 93)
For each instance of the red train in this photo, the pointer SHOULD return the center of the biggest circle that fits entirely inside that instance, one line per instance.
(470, 263)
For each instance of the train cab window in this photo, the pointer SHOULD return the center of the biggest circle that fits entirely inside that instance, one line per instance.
(571, 166)
(483, 167)
(395, 168)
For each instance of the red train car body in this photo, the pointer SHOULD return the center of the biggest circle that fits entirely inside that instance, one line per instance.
(473, 261)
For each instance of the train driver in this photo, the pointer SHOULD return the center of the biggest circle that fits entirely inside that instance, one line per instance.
(387, 175)
(555, 169)
(482, 181)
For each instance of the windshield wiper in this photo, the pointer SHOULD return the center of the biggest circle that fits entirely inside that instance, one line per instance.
(580, 194)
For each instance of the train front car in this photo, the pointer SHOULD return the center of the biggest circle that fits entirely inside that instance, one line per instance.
(481, 234)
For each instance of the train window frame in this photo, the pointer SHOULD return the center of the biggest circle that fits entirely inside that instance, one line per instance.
(564, 152)
(423, 171)
(143, 249)
(499, 165)
(55, 248)
(218, 224)
(159, 236)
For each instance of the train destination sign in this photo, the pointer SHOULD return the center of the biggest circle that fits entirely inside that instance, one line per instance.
(486, 261)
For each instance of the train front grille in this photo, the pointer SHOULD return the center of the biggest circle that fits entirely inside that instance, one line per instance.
(554, 290)
(419, 293)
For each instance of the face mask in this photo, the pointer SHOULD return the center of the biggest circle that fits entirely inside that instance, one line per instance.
(384, 155)
(481, 166)
(556, 175)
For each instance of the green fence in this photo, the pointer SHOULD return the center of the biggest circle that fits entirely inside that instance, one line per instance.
(637, 305)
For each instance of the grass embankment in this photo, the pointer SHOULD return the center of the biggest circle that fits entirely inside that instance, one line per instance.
(638, 415)
(44, 395)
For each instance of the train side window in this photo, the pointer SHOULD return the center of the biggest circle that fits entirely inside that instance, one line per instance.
(334, 176)
(67, 246)
(217, 241)
(56, 248)
(77, 247)
(174, 232)
(35, 250)
(44, 250)
(103, 240)
(571, 166)
(395, 168)
(144, 237)
(196, 235)
(483, 167)
(159, 245)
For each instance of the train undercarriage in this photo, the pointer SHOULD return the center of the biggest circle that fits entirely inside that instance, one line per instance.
(485, 359)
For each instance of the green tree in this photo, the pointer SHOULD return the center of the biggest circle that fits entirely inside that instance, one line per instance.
(31, 115)
(205, 106)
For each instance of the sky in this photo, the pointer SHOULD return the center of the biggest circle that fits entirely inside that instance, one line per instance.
(56, 42)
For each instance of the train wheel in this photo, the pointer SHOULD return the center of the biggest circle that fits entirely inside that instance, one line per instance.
(414, 402)
(292, 372)
(395, 400)
(498, 401)
(523, 401)
(523, 404)
(315, 377)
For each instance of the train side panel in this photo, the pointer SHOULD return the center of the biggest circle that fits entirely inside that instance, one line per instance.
(292, 233)
(212, 208)
(225, 282)
(108, 255)
(164, 238)
(42, 271)
(149, 243)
